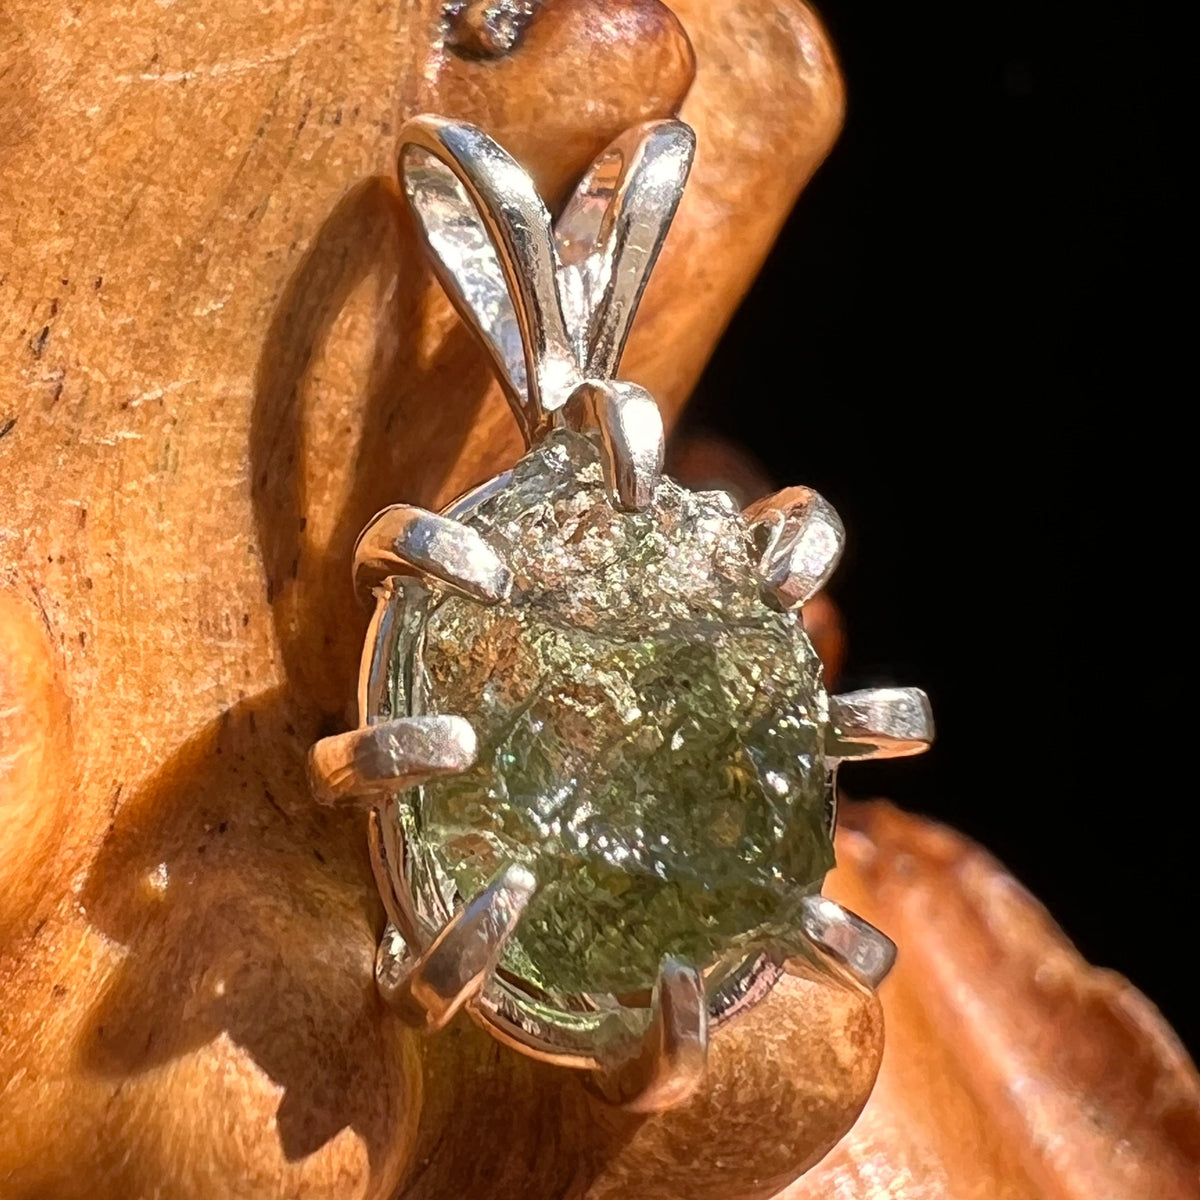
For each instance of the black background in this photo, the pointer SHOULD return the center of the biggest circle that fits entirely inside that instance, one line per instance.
(960, 339)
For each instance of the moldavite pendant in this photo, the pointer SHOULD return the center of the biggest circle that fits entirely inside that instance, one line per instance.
(650, 731)
(594, 730)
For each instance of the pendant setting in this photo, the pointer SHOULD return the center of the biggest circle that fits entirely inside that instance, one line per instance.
(593, 733)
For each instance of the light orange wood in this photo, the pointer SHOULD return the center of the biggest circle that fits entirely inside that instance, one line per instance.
(1013, 1069)
(221, 355)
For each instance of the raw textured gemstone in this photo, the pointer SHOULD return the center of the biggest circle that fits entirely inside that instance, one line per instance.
(650, 730)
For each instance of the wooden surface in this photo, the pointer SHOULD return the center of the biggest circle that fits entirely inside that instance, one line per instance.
(221, 354)
(1013, 1070)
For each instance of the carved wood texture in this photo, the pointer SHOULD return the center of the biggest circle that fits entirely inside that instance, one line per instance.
(221, 355)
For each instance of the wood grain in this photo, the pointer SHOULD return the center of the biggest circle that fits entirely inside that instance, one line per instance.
(221, 354)
(1014, 1070)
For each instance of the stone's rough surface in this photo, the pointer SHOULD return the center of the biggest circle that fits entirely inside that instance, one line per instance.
(650, 730)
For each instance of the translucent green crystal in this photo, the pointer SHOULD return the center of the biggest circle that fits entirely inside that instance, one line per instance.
(650, 730)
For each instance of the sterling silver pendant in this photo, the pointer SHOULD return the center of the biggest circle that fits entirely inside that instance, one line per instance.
(594, 734)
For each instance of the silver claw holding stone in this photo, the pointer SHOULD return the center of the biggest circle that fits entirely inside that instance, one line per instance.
(879, 723)
(868, 954)
(432, 987)
(803, 540)
(631, 433)
(670, 1063)
(403, 540)
(389, 756)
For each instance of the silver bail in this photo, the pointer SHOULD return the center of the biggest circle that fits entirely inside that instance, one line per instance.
(552, 303)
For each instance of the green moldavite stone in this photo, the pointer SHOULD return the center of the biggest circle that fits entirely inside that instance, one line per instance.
(650, 730)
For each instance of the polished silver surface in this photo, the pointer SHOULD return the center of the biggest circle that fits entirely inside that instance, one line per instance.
(832, 796)
(391, 755)
(631, 434)
(392, 963)
(803, 538)
(865, 952)
(750, 982)
(372, 674)
(551, 304)
(610, 232)
(669, 1065)
(491, 242)
(599, 1040)
(462, 505)
(404, 540)
(382, 851)
(879, 723)
(430, 988)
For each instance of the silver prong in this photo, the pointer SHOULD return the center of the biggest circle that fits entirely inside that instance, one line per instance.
(396, 903)
(831, 796)
(491, 243)
(867, 953)
(747, 986)
(390, 756)
(391, 961)
(631, 431)
(609, 234)
(669, 1066)
(403, 540)
(438, 983)
(804, 541)
(879, 723)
